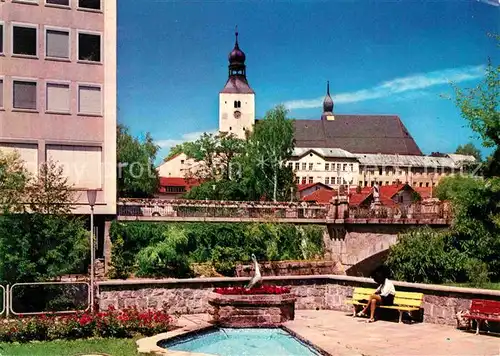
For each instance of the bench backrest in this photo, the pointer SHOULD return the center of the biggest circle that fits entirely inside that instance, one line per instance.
(489, 307)
(408, 299)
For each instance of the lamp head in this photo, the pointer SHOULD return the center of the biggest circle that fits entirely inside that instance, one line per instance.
(91, 197)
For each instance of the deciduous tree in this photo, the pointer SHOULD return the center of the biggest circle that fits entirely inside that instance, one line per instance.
(137, 175)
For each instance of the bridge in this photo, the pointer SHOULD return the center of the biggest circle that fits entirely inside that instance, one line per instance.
(358, 238)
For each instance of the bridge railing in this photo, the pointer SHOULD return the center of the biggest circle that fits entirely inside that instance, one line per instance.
(220, 209)
(433, 210)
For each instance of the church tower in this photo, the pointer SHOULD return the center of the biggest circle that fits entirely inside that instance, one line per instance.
(236, 99)
(327, 105)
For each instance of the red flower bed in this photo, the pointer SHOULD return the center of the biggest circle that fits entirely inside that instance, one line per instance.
(257, 290)
(110, 323)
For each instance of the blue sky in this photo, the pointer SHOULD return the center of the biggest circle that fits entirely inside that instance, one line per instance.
(381, 57)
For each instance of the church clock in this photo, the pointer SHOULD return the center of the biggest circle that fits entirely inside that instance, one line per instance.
(237, 114)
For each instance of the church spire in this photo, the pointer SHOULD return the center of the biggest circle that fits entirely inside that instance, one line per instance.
(237, 59)
(327, 104)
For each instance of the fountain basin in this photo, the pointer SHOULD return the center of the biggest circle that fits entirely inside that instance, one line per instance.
(251, 310)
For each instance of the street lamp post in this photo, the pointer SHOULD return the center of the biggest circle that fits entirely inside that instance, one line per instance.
(91, 197)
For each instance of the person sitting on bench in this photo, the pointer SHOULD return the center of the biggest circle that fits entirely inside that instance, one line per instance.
(384, 295)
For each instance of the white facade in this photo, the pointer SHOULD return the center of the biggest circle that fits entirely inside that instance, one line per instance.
(333, 167)
(236, 113)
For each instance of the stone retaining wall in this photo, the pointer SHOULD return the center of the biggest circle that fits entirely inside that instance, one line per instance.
(313, 292)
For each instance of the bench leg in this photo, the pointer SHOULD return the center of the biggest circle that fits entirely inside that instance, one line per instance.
(478, 326)
(353, 311)
(400, 316)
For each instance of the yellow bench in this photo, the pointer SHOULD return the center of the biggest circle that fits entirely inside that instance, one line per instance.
(403, 301)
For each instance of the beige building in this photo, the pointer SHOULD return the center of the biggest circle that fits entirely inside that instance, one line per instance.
(330, 166)
(177, 166)
(58, 90)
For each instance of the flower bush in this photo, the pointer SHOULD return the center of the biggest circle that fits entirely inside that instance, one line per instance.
(110, 323)
(257, 290)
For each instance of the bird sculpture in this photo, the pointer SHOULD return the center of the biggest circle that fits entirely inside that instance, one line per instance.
(257, 278)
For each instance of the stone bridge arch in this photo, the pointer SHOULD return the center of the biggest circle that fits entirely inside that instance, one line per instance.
(361, 248)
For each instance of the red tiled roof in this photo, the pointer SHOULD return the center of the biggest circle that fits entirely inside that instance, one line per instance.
(302, 187)
(358, 198)
(187, 183)
(320, 196)
(425, 192)
(391, 190)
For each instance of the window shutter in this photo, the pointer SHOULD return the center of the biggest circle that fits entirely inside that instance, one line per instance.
(89, 100)
(25, 95)
(58, 97)
(57, 44)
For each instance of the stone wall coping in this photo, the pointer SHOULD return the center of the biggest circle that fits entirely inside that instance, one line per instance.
(338, 278)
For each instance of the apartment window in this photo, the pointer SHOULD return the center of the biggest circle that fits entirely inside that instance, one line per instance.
(420, 184)
(89, 100)
(327, 166)
(1, 37)
(327, 180)
(311, 180)
(366, 183)
(89, 4)
(339, 180)
(427, 184)
(303, 166)
(1, 93)
(311, 166)
(332, 180)
(303, 180)
(24, 40)
(57, 2)
(297, 166)
(58, 97)
(380, 171)
(386, 183)
(338, 166)
(351, 167)
(290, 165)
(89, 47)
(57, 44)
(344, 167)
(24, 95)
(297, 180)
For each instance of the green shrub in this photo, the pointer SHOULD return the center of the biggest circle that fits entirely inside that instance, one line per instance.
(38, 247)
(166, 258)
(422, 256)
(145, 248)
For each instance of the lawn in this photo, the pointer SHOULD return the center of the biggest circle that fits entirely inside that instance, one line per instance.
(113, 347)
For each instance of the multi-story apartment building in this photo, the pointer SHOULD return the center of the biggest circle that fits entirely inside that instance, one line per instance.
(58, 91)
(330, 166)
(335, 167)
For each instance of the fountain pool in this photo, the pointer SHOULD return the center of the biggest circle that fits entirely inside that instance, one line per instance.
(242, 342)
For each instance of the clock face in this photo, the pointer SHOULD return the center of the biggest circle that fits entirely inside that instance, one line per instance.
(237, 114)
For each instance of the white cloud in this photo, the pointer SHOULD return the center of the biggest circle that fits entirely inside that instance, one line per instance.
(190, 136)
(416, 82)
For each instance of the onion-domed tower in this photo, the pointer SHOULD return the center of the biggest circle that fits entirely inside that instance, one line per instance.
(237, 99)
(327, 105)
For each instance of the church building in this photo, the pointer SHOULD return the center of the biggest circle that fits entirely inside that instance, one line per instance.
(333, 149)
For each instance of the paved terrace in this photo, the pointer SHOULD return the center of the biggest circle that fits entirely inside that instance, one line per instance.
(337, 212)
(339, 334)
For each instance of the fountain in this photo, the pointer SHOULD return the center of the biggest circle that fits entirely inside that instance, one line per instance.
(255, 305)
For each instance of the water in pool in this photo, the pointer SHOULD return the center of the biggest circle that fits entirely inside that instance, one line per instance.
(243, 342)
